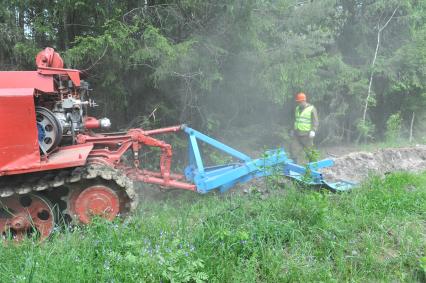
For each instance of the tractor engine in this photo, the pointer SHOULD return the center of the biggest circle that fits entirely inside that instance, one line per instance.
(62, 114)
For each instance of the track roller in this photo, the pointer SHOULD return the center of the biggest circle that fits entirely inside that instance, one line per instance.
(26, 216)
(96, 198)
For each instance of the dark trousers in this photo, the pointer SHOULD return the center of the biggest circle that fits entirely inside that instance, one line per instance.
(301, 149)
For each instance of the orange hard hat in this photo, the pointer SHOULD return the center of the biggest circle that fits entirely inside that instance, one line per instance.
(300, 97)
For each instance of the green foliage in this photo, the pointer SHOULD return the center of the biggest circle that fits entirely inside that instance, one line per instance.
(365, 129)
(393, 127)
(235, 62)
(312, 155)
(375, 233)
(179, 269)
(422, 263)
(218, 158)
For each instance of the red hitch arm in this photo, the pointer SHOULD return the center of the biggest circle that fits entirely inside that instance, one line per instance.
(108, 150)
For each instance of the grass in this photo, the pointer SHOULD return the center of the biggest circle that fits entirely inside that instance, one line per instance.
(375, 233)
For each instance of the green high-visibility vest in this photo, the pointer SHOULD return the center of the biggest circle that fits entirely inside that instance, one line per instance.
(303, 120)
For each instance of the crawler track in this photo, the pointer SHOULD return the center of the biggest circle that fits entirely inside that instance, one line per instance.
(57, 185)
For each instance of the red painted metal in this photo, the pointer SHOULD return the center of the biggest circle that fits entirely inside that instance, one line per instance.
(158, 174)
(49, 64)
(21, 216)
(110, 148)
(18, 138)
(163, 130)
(49, 58)
(64, 157)
(155, 178)
(31, 79)
(92, 123)
(74, 75)
(96, 200)
(41, 80)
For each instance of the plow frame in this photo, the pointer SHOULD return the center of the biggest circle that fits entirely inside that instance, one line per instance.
(223, 177)
(108, 150)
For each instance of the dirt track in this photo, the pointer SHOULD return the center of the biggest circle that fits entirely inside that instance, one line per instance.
(357, 166)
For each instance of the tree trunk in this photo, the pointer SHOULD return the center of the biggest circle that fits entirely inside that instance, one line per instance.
(411, 128)
(373, 63)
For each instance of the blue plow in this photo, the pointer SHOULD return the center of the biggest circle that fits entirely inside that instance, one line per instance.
(224, 177)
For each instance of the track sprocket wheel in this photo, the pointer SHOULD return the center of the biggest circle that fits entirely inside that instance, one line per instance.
(26, 216)
(96, 198)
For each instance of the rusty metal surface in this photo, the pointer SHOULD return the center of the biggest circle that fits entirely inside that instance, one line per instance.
(28, 215)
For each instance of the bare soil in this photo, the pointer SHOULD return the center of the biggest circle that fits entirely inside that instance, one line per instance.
(357, 166)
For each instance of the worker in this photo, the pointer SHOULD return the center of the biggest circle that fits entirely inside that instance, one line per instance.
(305, 127)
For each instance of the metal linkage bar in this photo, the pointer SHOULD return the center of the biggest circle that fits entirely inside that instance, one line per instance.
(110, 148)
(217, 144)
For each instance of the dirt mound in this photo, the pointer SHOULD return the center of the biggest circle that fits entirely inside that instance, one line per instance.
(357, 166)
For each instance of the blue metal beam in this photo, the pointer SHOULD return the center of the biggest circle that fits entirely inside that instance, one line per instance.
(218, 145)
(197, 154)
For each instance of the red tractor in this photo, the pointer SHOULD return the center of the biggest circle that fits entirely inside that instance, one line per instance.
(52, 161)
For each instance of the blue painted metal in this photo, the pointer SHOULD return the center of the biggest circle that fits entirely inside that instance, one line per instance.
(40, 132)
(217, 144)
(223, 177)
(341, 186)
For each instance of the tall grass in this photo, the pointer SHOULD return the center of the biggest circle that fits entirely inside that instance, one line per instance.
(375, 233)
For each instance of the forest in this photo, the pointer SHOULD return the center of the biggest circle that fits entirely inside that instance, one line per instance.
(232, 67)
